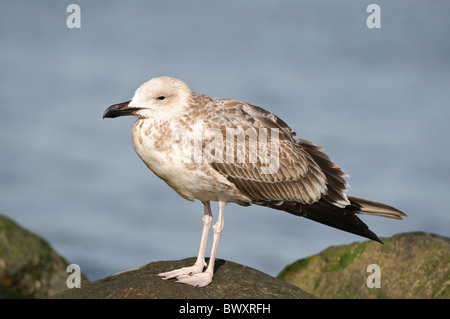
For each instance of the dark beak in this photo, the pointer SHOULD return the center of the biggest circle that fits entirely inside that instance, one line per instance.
(120, 109)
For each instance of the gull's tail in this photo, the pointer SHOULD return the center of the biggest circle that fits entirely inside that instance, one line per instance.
(374, 208)
(346, 218)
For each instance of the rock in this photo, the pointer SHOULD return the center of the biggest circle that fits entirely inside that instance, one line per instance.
(29, 267)
(412, 265)
(231, 280)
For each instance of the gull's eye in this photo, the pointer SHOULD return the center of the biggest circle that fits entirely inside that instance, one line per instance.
(162, 97)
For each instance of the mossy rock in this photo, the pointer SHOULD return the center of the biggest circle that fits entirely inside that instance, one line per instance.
(29, 267)
(411, 265)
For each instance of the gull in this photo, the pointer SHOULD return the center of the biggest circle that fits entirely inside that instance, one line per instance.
(228, 151)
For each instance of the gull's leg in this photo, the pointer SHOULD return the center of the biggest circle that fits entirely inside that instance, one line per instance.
(200, 262)
(203, 279)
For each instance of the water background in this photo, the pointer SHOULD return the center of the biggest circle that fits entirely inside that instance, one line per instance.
(378, 100)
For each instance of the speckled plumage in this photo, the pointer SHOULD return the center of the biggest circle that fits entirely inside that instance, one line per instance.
(215, 149)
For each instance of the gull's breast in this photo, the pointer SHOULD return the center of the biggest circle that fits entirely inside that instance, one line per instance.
(172, 152)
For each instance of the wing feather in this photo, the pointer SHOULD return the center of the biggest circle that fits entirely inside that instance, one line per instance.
(306, 182)
(303, 171)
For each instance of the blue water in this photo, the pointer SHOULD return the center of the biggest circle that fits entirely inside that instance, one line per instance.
(378, 100)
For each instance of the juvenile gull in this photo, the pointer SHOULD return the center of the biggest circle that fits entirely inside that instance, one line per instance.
(185, 139)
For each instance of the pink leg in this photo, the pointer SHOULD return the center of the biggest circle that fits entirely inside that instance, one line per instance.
(203, 279)
(200, 262)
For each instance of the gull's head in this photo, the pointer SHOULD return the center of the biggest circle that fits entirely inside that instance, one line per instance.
(162, 95)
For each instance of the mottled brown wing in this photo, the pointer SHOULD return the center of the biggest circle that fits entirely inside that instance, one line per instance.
(284, 168)
(306, 182)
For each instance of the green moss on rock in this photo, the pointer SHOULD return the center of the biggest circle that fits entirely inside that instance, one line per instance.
(29, 267)
(412, 265)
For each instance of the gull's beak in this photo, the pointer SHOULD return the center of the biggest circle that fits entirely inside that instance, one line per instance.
(120, 109)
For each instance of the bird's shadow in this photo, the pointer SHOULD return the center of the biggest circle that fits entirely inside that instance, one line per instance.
(217, 264)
